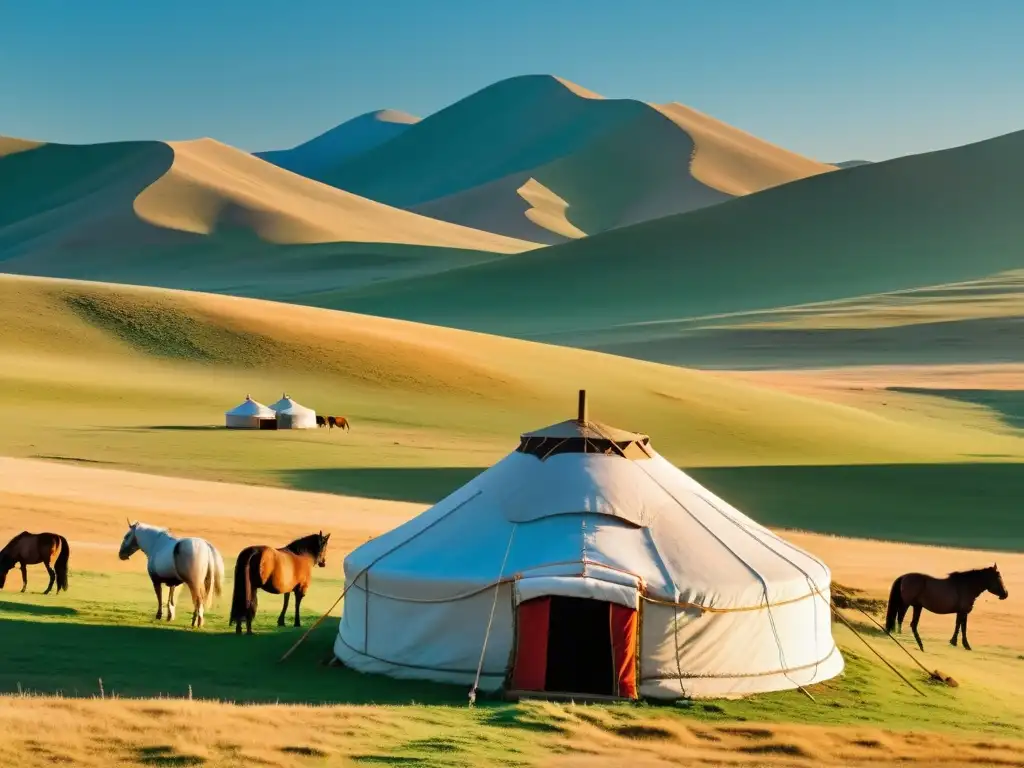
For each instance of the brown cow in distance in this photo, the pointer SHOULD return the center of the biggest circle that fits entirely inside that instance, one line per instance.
(338, 421)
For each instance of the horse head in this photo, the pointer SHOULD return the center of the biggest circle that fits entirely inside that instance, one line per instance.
(321, 558)
(130, 543)
(6, 564)
(995, 583)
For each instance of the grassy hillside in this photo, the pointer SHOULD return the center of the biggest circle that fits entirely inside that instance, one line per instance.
(135, 377)
(971, 322)
(916, 221)
(609, 163)
(201, 214)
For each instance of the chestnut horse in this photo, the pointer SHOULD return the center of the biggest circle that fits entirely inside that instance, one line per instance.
(954, 594)
(277, 571)
(338, 421)
(32, 548)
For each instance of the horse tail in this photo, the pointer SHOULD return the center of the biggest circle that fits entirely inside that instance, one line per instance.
(252, 581)
(218, 572)
(241, 591)
(895, 605)
(61, 566)
(348, 427)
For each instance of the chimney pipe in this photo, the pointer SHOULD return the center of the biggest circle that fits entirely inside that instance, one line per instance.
(582, 415)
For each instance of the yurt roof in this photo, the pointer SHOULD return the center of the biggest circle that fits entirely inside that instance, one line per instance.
(604, 509)
(286, 403)
(582, 435)
(250, 407)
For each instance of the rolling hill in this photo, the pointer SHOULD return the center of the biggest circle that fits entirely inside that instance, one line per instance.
(341, 142)
(134, 377)
(202, 214)
(539, 158)
(924, 220)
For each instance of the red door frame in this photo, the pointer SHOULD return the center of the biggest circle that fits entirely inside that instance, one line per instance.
(533, 618)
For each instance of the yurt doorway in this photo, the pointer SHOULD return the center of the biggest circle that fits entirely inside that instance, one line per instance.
(575, 645)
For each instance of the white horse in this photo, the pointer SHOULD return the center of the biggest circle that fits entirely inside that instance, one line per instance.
(171, 561)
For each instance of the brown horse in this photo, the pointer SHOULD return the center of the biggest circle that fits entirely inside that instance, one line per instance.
(954, 594)
(278, 571)
(32, 548)
(338, 421)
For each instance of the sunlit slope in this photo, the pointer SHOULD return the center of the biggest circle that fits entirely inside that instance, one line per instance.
(613, 162)
(341, 142)
(923, 220)
(83, 363)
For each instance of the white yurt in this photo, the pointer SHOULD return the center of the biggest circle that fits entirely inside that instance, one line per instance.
(291, 415)
(250, 414)
(585, 563)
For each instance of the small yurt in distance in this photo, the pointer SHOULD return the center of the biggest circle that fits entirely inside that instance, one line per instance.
(250, 415)
(584, 563)
(291, 415)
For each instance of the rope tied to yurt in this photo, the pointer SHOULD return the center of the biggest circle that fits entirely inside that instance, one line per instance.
(490, 619)
(376, 560)
(931, 673)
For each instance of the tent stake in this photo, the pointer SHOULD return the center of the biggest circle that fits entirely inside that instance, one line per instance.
(902, 647)
(860, 637)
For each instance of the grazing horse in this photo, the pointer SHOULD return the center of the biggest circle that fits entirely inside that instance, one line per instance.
(31, 548)
(338, 421)
(954, 594)
(320, 421)
(277, 571)
(173, 562)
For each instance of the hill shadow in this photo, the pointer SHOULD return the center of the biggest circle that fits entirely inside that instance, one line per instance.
(35, 610)
(424, 485)
(132, 661)
(1008, 404)
(971, 505)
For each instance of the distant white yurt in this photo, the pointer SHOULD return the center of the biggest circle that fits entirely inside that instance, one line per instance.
(291, 415)
(585, 563)
(250, 415)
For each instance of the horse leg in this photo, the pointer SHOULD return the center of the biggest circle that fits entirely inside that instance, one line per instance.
(24, 577)
(300, 592)
(197, 607)
(53, 578)
(963, 632)
(170, 602)
(913, 625)
(159, 589)
(284, 609)
(900, 617)
(956, 629)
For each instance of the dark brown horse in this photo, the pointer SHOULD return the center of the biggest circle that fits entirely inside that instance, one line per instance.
(32, 548)
(338, 421)
(320, 421)
(954, 594)
(278, 571)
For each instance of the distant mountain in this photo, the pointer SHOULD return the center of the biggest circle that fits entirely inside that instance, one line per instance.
(540, 158)
(201, 214)
(920, 220)
(341, 142)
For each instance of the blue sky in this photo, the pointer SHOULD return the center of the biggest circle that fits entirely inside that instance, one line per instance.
(834, 80)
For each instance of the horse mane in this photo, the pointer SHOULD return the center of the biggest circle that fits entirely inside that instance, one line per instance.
(15, 540)
(970, 575)
(307, 545)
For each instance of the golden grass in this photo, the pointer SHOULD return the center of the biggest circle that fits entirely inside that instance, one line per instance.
(175, 732)
(76, 343)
